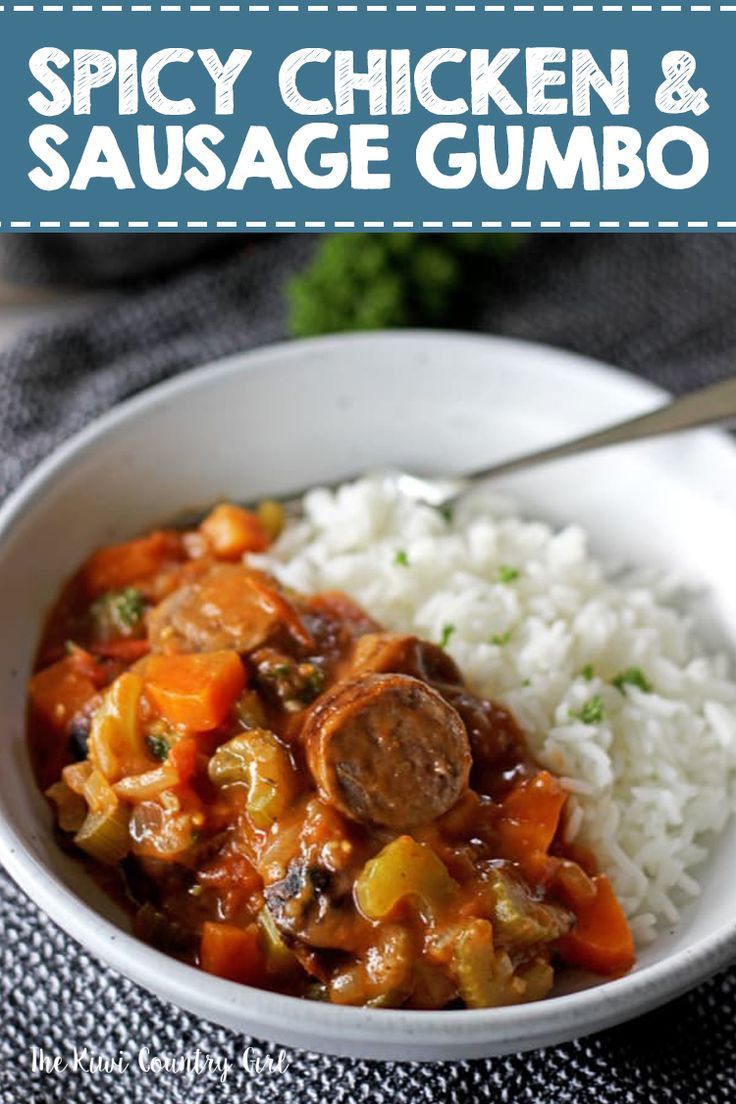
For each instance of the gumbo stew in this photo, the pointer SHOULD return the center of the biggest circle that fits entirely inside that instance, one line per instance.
(288, 796)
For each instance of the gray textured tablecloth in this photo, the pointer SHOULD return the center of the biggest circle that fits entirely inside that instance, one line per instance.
(660, 306)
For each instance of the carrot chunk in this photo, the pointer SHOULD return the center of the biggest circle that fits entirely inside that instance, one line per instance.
(531, 814)
(601, 939)
(59, 691)
(123, 565)
(184, 757)
(233, 953)
(127, 651)
(231, 531)
(196, 690)
(87, 664)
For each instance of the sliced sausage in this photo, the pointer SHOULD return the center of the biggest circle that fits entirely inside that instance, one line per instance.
(220, 610)
(387, 750)
(496, 741)
(397, 653)
(497, 744)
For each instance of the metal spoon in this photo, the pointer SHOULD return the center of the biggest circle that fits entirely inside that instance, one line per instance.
(713, 405)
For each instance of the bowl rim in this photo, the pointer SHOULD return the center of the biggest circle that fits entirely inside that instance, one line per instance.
(372, 1032)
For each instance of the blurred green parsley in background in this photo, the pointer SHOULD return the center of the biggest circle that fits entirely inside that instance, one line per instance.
(374, 281)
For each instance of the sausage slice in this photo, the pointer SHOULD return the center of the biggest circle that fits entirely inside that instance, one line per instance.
(387, 750)
(397, 653)
(220, 610)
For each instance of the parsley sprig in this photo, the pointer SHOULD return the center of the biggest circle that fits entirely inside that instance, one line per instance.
(157, 745)
(632, 676)
(591, 712)
(363, 281)
(122, 609)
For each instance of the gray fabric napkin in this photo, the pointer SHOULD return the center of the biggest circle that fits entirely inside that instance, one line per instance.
(660, 306)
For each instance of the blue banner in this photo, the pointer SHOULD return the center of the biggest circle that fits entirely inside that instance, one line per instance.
(310, 116)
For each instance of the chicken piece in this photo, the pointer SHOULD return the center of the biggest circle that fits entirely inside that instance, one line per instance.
(308, 870)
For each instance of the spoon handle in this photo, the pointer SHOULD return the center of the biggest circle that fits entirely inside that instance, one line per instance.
(714, 405)
(711, 405)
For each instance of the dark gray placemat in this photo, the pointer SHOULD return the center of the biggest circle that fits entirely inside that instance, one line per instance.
(661, 306)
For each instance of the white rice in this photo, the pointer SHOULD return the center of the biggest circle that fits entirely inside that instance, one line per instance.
(657, 775)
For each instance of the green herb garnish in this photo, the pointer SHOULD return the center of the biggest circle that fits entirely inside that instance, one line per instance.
(314, 683)
(401, 558)
(371, 281)
(632, 676)
(499, 639)
(119, 609)
(158, 746)
(587, 672)
(591, 712)
(447, 513)
(507, 574)
(447, 631)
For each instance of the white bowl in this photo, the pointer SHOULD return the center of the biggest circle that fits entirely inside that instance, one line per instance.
(285, 416)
